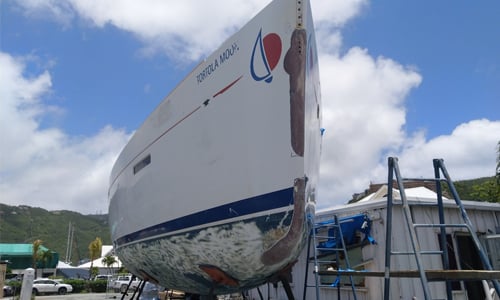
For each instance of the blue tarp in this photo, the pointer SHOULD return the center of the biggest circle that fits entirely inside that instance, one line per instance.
(349, 225)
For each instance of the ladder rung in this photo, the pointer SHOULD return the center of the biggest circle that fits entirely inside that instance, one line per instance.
(424, 179)
(324, 237)
(330, 224)
(439, 225)
(426, 204)
(326, 261)
(330, 249)
(413, 253)
(327, 285)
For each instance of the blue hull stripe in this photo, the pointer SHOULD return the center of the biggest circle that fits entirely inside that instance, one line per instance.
(239, 208)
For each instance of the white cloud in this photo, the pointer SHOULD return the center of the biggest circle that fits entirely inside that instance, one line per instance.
(363, 114)
(185, 29)
(335, 13)
(48, 9)
(468, 152)
(44, 166)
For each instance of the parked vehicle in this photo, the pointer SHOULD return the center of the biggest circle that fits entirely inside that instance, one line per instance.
(103, 277)
(121, 282)
(7, 291)
(49, 286)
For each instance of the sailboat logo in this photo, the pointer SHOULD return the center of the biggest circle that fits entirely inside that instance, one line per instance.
(266, 54)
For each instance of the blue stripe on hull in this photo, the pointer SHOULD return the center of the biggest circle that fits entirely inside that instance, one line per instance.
(261, 203)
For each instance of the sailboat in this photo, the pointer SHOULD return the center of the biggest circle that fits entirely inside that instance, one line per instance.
(215, 192)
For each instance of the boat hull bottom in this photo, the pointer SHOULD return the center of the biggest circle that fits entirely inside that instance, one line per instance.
(219, 259)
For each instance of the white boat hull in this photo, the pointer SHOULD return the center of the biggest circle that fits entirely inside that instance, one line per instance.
(213, 192)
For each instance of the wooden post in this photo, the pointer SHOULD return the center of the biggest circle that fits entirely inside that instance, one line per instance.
(3, 270)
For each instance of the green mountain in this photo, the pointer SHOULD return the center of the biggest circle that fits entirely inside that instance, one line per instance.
(24, 224)
(485, 189)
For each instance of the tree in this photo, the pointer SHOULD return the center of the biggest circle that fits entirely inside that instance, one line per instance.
(36, 255)
(109, 261)
(95, 248)
(45, 257)
(489, 191)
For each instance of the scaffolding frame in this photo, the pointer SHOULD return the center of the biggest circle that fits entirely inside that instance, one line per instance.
(394, 175)
(340, 248)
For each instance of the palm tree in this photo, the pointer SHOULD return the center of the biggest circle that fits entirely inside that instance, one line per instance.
(45, 257)
(109, 261)
(95, 248)
(37, 246)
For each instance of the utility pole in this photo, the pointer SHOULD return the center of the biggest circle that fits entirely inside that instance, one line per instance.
(69, 244)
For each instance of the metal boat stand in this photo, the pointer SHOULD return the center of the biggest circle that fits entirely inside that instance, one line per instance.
(141, 287)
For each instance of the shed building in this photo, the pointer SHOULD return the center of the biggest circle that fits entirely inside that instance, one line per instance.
(363, 255)
(20, 257)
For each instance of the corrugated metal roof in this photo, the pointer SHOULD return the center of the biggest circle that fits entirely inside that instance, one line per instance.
(18, 249)
(414, 196)
(105, 250)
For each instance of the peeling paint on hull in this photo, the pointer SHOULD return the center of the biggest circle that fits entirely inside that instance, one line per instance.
(234, 248)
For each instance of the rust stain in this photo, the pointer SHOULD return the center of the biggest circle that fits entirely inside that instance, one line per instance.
(295, 66)
(281, 249)
(219, 276)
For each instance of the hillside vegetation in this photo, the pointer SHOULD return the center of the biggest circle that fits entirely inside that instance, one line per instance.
(24, 224)
(485, 189)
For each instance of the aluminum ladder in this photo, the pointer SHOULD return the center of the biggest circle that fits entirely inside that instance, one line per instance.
(340, 248)
(439, 169)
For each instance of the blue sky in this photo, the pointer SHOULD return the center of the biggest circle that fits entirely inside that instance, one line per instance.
(454, 47)
(417, 80)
